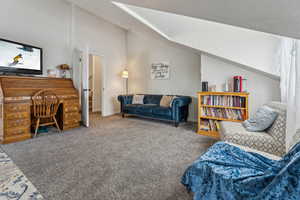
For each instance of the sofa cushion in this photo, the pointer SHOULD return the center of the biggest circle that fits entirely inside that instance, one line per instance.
(152, 99)
(139, 108)
(131, 108)
(165, 111)
(262, 120)
(146, 108)
(235, 133)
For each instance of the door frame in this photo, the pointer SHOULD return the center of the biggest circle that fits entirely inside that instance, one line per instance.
(103, 78)
(84, 65)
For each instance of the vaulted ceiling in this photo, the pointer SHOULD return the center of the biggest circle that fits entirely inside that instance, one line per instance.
(279, 17)
(252, 49)
(223, 28)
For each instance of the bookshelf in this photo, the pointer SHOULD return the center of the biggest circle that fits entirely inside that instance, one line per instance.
(214, 107)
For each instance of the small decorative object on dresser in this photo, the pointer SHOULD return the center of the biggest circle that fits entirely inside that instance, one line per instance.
(51, 73)
(220, 106)
(64, 68)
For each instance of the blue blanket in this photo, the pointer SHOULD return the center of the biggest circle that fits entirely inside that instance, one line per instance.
(226, 172)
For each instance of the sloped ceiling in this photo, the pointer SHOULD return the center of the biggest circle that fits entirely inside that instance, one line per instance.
(252, 49)
(277, 17)
(110, 12)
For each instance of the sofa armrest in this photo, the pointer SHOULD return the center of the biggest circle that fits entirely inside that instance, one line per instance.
(181, 101)
(125, 100)
(180, 108)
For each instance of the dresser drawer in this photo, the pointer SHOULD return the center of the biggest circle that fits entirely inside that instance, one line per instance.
(16, 115)
(70, 126)
(17, 123)
(17, 107)
(71, 102)
(71, 107)
(74, 116)
(16, 131)
(71, 121)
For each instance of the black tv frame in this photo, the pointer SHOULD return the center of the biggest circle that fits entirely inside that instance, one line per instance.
(8, 70)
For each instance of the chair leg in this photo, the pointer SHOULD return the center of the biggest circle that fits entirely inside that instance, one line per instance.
(176, 124)
(56, 124)
(37, 126)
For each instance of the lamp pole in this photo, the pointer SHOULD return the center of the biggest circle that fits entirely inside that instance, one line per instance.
(125, 75)
(127, 86)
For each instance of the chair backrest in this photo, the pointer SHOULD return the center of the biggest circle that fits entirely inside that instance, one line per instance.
(45, 104)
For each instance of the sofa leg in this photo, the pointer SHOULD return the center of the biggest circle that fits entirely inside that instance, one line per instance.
(176, 124)
(123, 115)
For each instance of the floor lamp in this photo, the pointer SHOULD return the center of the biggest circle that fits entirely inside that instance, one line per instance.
(125, 75)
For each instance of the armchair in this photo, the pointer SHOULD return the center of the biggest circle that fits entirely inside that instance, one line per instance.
(229, 172)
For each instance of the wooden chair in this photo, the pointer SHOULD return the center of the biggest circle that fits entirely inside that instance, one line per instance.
(45, 106)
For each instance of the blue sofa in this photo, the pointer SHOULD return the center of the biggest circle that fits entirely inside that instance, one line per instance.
(151, 108)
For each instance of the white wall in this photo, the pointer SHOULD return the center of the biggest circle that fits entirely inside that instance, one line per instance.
(109, 41)
(143, 50)
(262, 89)
(246, 47)
(53, 26)
(44, 24)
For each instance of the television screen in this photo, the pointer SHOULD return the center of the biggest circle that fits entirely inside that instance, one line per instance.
(20, 58)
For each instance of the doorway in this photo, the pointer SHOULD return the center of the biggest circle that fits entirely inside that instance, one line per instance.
(96, 84)
(89, 80)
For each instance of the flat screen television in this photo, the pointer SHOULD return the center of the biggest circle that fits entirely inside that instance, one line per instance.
(18, 58)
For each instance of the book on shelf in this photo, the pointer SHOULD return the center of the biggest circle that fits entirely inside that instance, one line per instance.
(223, 113)
(229, 101)
(209, 125)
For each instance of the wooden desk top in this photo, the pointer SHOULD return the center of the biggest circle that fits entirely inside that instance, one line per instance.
(15, 88)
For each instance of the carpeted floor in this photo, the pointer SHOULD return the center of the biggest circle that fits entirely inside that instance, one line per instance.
(115, 159)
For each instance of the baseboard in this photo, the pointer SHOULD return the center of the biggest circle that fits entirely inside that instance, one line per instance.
(97, 110)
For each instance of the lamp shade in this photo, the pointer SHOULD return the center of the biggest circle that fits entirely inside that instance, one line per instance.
(125, 74)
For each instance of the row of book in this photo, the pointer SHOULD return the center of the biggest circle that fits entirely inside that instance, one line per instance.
(223, 113)
(229, 101)
(209, 125)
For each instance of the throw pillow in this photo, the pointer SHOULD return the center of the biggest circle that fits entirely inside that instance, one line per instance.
(262, 120)
(138, 99)
(174, 97)
(166, 101)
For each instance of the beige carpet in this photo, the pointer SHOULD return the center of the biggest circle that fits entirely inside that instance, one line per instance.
(115, 159)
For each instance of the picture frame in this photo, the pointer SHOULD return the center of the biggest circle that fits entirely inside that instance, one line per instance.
(160, 71)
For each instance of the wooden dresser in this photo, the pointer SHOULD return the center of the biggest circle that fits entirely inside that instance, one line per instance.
(15, 105)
